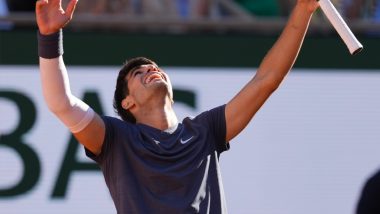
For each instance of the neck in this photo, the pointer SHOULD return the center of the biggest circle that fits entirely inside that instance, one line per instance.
(159, 117)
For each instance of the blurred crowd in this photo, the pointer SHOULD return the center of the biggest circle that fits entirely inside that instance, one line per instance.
(156, 8)
(350, 9)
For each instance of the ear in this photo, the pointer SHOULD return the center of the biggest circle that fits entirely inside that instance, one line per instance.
(127, 103)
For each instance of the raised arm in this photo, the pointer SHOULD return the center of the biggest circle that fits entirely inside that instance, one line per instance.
(82, 121)
(272, 70)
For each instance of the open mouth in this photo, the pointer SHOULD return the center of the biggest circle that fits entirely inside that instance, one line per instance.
(152, 77)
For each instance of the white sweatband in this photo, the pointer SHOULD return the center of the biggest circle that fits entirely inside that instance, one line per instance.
(84, 122)
(73, 112)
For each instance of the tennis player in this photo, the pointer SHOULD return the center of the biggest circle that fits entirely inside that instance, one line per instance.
(153, 163)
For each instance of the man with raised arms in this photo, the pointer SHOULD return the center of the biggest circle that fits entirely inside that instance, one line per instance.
(151, 162)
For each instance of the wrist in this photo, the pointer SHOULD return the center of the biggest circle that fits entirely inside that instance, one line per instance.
(50, 46)
(48, 33)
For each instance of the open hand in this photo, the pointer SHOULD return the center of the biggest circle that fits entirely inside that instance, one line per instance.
(51, 17)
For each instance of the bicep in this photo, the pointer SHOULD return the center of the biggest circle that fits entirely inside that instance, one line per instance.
(92, 136)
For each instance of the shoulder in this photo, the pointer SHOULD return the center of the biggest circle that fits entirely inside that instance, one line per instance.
(210, 119)
(116, 131)
(113, 124)
(115, 120)
(210, 114)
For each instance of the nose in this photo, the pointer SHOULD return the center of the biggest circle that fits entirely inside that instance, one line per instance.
(152, 68)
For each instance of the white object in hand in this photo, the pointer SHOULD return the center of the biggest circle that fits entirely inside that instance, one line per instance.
(340, 26)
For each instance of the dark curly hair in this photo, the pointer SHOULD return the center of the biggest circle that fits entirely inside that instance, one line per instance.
(121, 90)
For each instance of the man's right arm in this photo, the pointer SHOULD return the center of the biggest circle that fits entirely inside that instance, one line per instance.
(82, 121)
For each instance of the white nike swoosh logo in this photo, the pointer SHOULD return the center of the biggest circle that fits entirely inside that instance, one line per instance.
(186, 141)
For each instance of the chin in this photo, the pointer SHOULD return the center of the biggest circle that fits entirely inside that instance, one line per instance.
(161, 87)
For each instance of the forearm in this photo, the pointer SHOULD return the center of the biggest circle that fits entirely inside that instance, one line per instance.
(281, 57)
(55, 84)
(271, 72)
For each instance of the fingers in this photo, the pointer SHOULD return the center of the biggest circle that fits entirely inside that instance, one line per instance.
(71, 7)
(51, 3)
(40, 4)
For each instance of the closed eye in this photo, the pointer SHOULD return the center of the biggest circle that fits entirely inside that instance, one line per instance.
(137, 73)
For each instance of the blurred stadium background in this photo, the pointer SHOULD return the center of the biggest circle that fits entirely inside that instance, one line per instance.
(309, 150)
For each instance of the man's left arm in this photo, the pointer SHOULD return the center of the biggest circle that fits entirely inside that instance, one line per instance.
(272, 70)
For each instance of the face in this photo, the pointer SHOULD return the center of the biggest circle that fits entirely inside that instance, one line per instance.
(147, 82)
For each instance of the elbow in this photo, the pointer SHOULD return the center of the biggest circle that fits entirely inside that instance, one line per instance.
(58, 105)
(270, 83)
